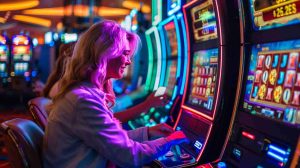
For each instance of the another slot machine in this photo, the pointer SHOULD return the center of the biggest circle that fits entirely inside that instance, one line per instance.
(172, 59)
(153, 75)
(4, 60)
(208, 99)
(21, 51)
(267, 126)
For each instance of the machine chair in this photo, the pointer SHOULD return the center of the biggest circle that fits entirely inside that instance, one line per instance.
(37, 108)
(23, 140)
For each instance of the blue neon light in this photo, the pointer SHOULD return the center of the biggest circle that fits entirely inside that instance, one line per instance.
(277, 149)
(173, 6)
(275, 156)
(185, 57)
(198, 145)
(164, 52)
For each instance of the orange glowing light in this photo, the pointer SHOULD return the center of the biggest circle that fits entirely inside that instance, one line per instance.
(20, 49)
(136, 5)
(2, 20)
(107, 11)
(77, 10)
(33, 20)
(9, 6)
(57, 11)
(59, 26)
(2, 40)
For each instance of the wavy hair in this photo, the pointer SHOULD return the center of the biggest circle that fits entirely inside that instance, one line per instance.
(100, 43)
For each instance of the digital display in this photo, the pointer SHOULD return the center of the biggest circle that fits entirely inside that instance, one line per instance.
(69, 37)
(268, 14)
(20, 40)
(171, 41)
(3, 70)
(20, 68)
(273, 81)
(3, 40)
(204, 21)
(171, 76)
(4, 53)
(202, 84)
(21, 53)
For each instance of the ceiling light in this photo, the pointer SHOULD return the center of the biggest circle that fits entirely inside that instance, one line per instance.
(33, 20)
(18, 5)
(136, 5)
(107, 11)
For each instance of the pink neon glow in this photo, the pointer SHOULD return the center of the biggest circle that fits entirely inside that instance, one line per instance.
(248, 135)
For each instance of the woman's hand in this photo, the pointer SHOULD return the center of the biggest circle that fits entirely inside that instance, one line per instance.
(160, 130)
(158, 101)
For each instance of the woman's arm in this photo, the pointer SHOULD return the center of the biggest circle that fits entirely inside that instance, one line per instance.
(95, 126)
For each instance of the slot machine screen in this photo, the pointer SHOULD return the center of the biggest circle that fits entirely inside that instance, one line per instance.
(204, 21)
(203, 80)
(268, 14)
(170, 81)
(171, 41)
(21, 68)
(3, 69)
(273, 82)
(21, 53)
(4, 53)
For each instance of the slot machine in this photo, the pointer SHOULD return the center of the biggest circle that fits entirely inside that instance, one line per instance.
(4, 60)
(153, 41)
(206, 109)
(173, 58)
(21, 51)
(266, 130)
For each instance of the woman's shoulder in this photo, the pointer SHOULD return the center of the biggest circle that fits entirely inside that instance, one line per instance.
(86, 90)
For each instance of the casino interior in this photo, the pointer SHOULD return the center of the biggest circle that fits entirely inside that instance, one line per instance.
(230, 71)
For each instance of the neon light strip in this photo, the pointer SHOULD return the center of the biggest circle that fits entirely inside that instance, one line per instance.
(188, 50)
(248, 135)
(273, 155)
(221, 59)
(183, 56)
(179, 55)
(156, 9)
(174, 9)
(158, 46)
(197, 112)
(278, 150)
(150, 58)
(164, 52)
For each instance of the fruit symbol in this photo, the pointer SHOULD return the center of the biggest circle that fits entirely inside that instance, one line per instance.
(209, 81)
(262, 91)
(277, 94)
(273, 76)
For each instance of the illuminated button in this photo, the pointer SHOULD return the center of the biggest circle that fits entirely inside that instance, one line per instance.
(185, 156)
(169, 154)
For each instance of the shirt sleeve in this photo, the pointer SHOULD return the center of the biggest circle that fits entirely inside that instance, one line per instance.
(96, 127)
(139, 134)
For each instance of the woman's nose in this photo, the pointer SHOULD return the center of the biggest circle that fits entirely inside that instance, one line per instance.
(128, 61)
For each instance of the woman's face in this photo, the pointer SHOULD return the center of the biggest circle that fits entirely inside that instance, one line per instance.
(116, 66)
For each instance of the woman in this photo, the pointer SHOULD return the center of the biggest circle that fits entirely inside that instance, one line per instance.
(51, 88)
(81, 130)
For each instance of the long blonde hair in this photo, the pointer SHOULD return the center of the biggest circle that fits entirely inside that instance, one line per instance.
(100, 43)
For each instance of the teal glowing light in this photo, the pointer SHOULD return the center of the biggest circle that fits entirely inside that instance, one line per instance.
(156, 11)
(185, 52)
